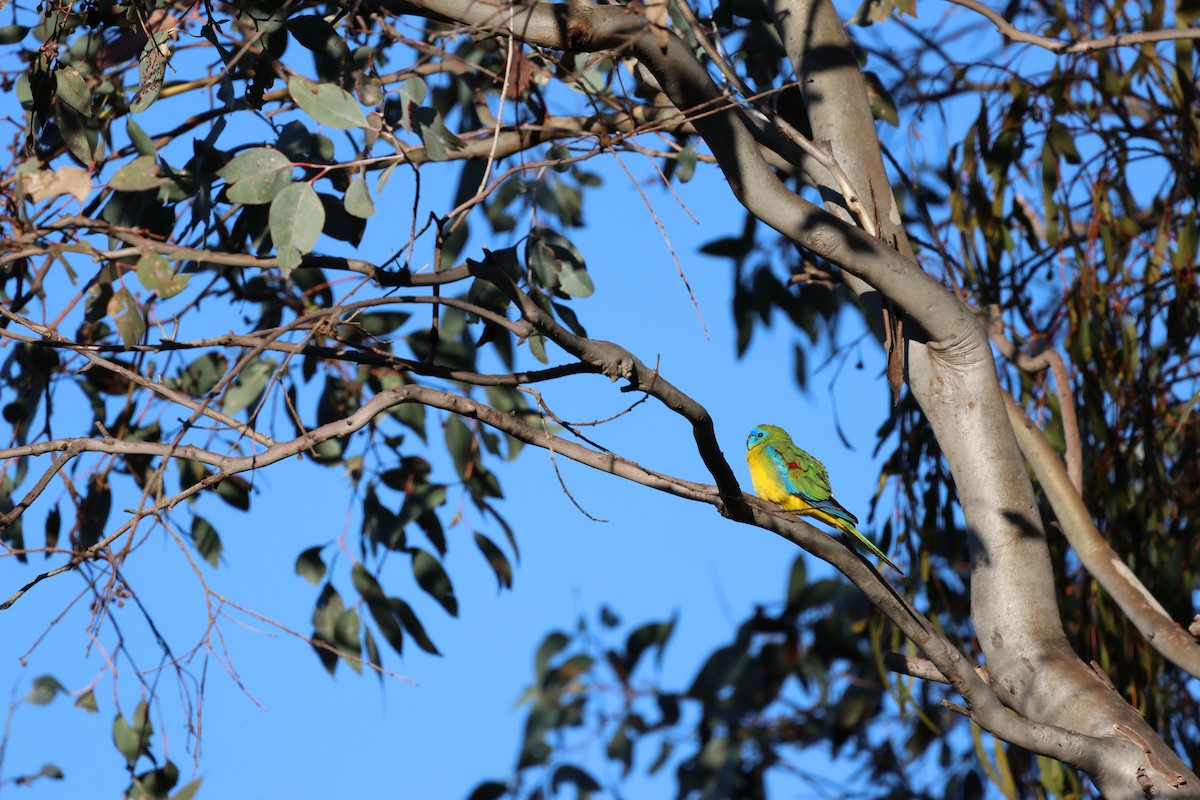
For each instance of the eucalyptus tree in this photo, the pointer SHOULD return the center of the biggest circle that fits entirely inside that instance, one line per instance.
(1005, 198)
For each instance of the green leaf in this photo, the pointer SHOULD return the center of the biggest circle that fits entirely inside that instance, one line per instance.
(257, 175)
(582, 781)
(319, 36)
(207, 542)
(372, 650)
(489, 790)
(132, 739)
(53, 527)
(620, 748)
(423, 498)
(296, 219)
(380, 525)
(138, 175)
(310, 566)
(235, 490)
(249, 385)
(654, 634)
(379, 606)
(412, 94)
(433, 579)
(537, 346)
(437, 138)
(127, 317)
(87, 701)
(358, 201)
(685, 163)
(496, 560)
(79, 138)
(883, 107)
(188, 790)
(141, 141)
(328, 104)
(156, 274)
(797, 580)
(558, 263)
(152, 67)
(383, 322)
(202, 374)
(155, 783)
(73, 90)
(51, 771)
(460, 443)
(45, 688)
(554, 643)
(413, 625)
(346, 636)
(11, 34)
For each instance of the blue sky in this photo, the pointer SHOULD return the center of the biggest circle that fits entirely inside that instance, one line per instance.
(457, 724)
(305, 734)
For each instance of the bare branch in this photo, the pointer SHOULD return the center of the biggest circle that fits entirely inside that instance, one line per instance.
(1051, 358)
(1085, 46)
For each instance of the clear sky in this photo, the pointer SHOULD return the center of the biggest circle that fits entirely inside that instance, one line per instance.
(307, 735)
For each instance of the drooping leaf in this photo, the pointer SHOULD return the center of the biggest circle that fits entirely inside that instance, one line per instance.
(496, 560)
(79, 136)
(412, 625)
(432, 577)
(358, 201)
(207, 542)
(296, 220)
(87, 701)
(123, 308)
(152, 67)
(423, 499)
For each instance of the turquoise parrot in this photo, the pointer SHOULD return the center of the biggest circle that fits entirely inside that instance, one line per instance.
(783, 473)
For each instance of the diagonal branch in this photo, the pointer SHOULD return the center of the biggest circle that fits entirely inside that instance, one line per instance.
(617, 363)
(1097, 555)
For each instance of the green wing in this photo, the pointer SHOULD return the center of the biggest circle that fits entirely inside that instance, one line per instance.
(807, 478)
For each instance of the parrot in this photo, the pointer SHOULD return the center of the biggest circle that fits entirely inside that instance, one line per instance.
(783, 473)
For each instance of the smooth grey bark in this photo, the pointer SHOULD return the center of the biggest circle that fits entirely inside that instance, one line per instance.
(1013, 603)
(952, 375)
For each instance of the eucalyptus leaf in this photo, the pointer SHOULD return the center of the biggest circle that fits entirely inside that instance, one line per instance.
(328, 104)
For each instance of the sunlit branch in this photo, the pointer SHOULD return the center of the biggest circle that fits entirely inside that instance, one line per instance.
(1051, 358)
(1084, 46)
(1097, 555)
(617, 363)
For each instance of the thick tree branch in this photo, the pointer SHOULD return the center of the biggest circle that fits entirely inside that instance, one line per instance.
(1097, 556)
(685, 81)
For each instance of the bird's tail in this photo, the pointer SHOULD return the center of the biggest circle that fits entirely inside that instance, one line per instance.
(848, 528)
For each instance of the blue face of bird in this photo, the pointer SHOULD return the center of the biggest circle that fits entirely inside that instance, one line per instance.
(756, 436)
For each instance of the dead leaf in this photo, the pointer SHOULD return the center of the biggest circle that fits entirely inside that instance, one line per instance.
(50, 183)
(658, 16)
